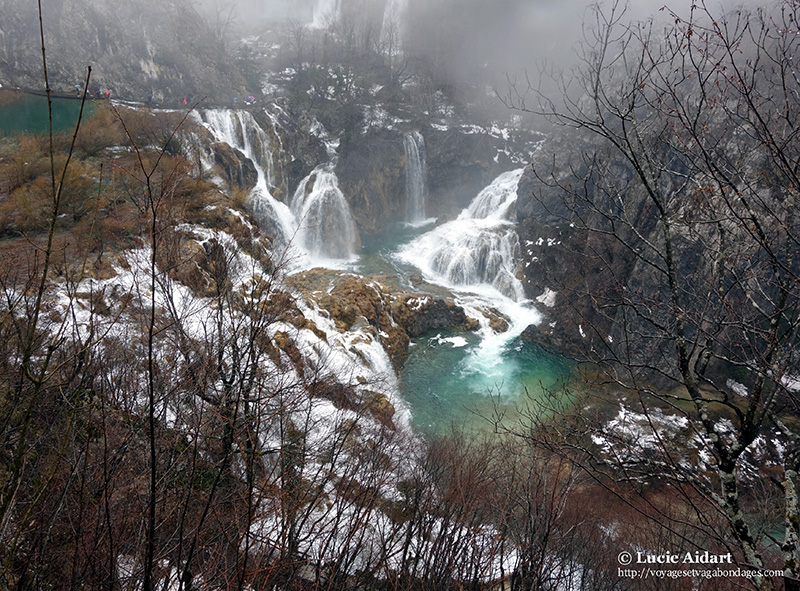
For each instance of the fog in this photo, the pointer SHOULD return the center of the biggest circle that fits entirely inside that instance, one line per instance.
(469, 44)
(503, 35)
(503, 25)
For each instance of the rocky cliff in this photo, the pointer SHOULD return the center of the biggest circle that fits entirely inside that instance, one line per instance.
(159, 51)
(461, 160)
(616, 264)
(566, 267)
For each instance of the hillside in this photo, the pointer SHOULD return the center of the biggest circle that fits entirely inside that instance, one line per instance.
(372, 328)
(141, 51)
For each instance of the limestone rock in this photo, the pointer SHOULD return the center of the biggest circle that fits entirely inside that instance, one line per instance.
(147, 51)
(239, 171)
(371, 174)
(380, 408)
(420, 314)
(284, 342)
(353, 299)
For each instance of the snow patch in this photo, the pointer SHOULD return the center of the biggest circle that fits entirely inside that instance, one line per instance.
(548, 297)
(737, 388)
(418, 303)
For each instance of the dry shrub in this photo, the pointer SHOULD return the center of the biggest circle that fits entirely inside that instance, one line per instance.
(149, 128)
(100, 131)
(79, 192)
(26, 210)
(239, 198)
(118, 226)
(9, 97)
(195, 194)
(24, 160)
(18, 262)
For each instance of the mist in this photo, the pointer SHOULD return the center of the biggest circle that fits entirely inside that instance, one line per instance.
(482, 31)
(470, 48)
(468, 44)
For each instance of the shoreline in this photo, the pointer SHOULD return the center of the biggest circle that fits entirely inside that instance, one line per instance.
(36, 92)
(176, 104)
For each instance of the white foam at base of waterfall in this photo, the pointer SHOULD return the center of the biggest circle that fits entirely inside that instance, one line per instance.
(326, 229)
(420, 223)
(488, 359)
(475, 255)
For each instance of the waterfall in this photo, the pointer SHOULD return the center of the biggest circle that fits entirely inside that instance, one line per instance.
(479, 248)
(476, 255)
(323, 12)
(319, 219)
(326, 225)
(240, 130)
(495, 202)
(416, 176)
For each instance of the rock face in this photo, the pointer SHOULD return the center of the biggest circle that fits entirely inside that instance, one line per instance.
(460, 162)
(576, 270)
(581, 234)
(239, 171)
(295, 150)
(558, 255)
(460, 165)
(356, 303)
(572, 272)
(420, 314)
(371, 171)
(147, 51)
(353, 300)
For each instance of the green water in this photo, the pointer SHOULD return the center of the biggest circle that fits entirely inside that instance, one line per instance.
(27, 113)
(376, 252)
(396, 235)
(450, 379)
(455, 377)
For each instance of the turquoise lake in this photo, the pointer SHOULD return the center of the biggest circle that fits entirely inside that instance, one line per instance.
(460, 378)
(27, 113)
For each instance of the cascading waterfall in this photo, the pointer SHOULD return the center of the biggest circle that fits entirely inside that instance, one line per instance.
(416, 176)
(319, 221)
(478, 249)
(476, 255)
(326, 225)
(240, 130)
(470, 255)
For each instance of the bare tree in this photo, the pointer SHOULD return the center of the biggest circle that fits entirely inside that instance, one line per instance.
(686, 198)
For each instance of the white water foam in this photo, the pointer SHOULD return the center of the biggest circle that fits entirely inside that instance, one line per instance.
(240, 130)
(326, 228)
(477, 251)
(318, 229)
(475, 255)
